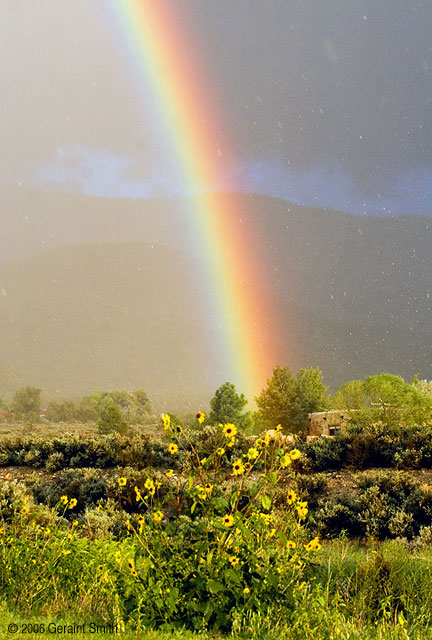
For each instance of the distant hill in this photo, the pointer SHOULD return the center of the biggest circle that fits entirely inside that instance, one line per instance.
(98, 310)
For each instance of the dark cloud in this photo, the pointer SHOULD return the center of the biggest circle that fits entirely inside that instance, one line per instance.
(333, 85)
(343, 82)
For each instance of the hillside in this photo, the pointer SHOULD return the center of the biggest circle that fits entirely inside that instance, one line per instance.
(98, 310)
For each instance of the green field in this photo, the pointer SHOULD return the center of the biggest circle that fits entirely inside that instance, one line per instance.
(207, 533)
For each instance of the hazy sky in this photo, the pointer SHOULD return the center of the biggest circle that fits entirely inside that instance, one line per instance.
(325, 102)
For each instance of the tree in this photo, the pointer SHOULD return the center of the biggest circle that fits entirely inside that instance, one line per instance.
(287, 400)
(387, 401)
(133, 405)
(112, 420)
(27, 400)
(227, 406)
(351, 395)
(61, 411)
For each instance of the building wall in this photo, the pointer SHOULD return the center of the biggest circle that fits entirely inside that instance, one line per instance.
(327, 423)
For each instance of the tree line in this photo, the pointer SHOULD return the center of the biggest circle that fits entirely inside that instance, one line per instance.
(287, 399)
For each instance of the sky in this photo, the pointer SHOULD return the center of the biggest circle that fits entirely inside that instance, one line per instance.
(320, 102)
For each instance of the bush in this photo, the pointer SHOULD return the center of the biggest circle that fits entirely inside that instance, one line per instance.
(327, 453)
(86, 486)
(389, 504)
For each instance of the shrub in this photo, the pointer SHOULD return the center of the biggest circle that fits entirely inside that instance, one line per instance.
(340, 515)
(327, 453)
(86, 486)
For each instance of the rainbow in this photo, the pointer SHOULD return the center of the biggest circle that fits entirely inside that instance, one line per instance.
(198, 143)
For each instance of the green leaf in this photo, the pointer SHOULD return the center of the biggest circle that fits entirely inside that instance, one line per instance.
(265, 501)
(214, 586)
(282, 537)
(272, 477)
(220, 504)
(247, 533)
(273, 580)
(233, 498)
(190, 482)
(231, 575)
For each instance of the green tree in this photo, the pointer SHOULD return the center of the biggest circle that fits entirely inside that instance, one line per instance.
(384, 401)
(61, 411)
(133, 405)
(27, 401)
(351, 395)
(112, 420)
(287, 399)
(394, 402)
(227, 406)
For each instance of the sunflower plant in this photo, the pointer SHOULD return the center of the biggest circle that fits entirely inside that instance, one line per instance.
(212, 548)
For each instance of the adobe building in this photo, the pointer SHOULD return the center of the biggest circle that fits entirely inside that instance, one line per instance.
(327, 423)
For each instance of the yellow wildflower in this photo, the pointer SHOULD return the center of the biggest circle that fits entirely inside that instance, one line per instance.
(201, 416)
(279, 427)
(149, 484)
(203, 461)
(234, 561)
(169, 473)
(313, 545)
(25, 509)
(138, 495)
(231, 443)
(246, 591)
(75, 523)
(291, 496)
(131, 564)
(227, 521)
(73, 503)
(295, 454)
(285, 461)
(291, 544)
(220, 451)
(166, 421)
(238, 467)
(229, 430)
(208, 487)
(157, 516)
(64, 500)
(173, 448)
(65, 552)
(253, 453)
(301, 512)
(122, 482)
